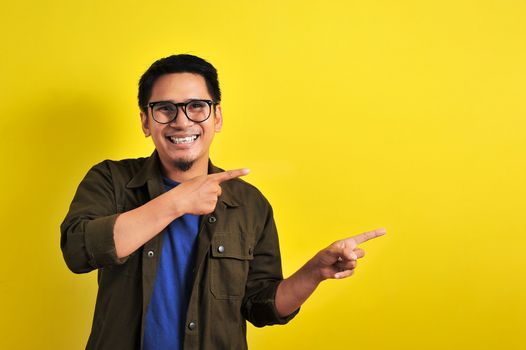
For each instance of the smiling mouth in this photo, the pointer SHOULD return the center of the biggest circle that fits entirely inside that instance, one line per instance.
(182, 140)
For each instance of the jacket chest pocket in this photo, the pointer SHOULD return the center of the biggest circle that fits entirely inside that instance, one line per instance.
(229, 265)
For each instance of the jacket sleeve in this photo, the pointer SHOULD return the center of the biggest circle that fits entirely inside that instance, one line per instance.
(265, 274)
(87, 231)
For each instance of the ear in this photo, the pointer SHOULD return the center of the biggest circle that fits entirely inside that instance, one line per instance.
(145, 124)
(218, 118)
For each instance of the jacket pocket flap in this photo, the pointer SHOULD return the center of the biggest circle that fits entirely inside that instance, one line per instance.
(231, 245)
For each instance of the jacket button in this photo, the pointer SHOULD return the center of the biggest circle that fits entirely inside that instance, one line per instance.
(192, 325)
(212, 219)
(221, 249)
(150, 254)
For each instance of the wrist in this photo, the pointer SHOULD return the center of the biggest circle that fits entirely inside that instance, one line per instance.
(175, 203)
(313, 274)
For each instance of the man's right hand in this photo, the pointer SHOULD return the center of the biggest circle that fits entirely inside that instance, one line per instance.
(199, 195)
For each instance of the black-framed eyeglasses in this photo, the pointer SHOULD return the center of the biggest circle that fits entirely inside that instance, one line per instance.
(164, 112)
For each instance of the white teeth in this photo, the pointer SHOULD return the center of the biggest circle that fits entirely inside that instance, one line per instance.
(187, 139)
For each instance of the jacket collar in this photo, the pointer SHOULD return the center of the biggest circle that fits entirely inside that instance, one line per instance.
(226, 195)
(151, 171)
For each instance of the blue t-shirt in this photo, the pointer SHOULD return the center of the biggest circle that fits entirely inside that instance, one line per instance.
(166, 313)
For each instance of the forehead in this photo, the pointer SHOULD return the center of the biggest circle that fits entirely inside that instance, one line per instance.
(179, 86)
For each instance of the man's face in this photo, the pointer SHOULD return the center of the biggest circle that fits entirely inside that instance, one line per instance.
(172, 140)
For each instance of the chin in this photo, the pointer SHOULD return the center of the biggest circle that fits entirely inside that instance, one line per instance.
(183, 165)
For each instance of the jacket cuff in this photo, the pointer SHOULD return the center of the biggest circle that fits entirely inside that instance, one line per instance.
(262, 309)
(100, 244)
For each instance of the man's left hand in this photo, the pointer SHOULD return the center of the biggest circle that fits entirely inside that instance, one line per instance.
(341, 258)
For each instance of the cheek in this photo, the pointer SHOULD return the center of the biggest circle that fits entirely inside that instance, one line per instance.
(157, 136)
(208, 135)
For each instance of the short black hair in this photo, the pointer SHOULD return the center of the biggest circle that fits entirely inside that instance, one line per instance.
(182, 63)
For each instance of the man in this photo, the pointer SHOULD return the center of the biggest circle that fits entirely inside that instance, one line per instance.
(185, 251)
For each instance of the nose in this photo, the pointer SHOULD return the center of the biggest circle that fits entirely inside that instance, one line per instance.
(181, 120)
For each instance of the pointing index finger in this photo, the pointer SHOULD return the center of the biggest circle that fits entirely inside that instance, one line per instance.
(228, 175)
(363, 237)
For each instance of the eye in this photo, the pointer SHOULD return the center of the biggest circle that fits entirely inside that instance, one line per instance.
(196, 105)
(165, 107)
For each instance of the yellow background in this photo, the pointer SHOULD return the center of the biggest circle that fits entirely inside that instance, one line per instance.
(351, 115)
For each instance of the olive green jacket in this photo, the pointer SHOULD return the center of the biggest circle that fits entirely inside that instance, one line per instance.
(236, 271)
